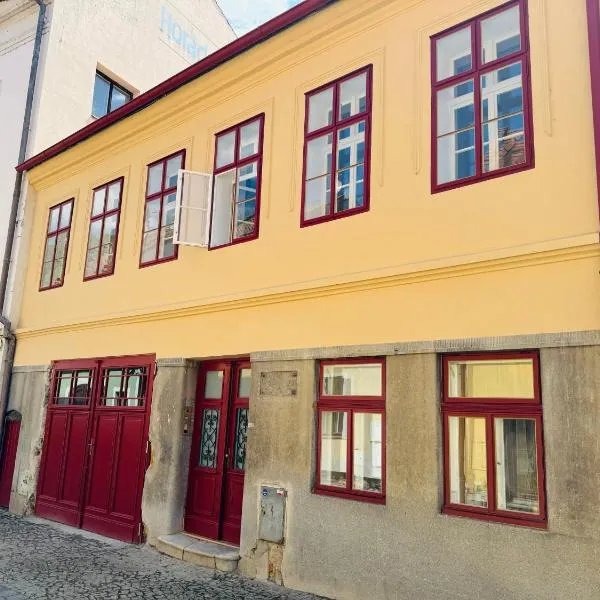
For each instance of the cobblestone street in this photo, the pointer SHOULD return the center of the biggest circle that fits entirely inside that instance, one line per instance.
(39, 561)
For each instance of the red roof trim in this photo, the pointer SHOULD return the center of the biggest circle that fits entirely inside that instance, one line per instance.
(231, 50)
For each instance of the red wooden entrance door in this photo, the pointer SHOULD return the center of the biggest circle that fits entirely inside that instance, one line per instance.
(8, 458)
(95, 447)
(218, 455)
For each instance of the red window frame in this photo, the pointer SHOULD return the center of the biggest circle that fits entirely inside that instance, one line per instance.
(475, 73)
(55, 233)
(351, 405)
(235, 165)
(336, 125)
(164, 191)
(489, 409)
(102, 217)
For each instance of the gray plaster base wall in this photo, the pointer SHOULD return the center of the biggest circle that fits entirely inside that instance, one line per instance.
(28, 396)
(170, 436)
(407, 549)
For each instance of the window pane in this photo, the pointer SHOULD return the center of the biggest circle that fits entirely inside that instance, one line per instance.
(95, 232)
(110, 230)
(107, 259)
(118, 98)
(65, 215)
(510, 378)
(501, 35)
(213, 388)
(320, 110)
(318, 156)
(249, 139)
(245, 209)
(317, 197)
(334, 448)
(53, 220)
(155, 175)
(46, 274)
(352, 380)
(152, 216)
(98, 202)
(63, 388)
(245, 383)
(114, 196)
(353, 96)
(58, 272)
(225, 149)
(210, 438)
(241, 439)
(166, 248)
(91, 262)
(101, 95)
(367, 452)
(49, 250)
(112, 384)
(222, 213)
(468, 461)
(149, 246)
(81, 389)
(61, 245)
(453, 54)
(503, 118)
(136, 386)
(516, 465)
(456, 156)
(173, 166)
(349, 191)
(455, 108)
(168, 210)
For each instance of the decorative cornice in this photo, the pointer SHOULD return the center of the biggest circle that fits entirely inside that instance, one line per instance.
(481, 344)
(308, 292)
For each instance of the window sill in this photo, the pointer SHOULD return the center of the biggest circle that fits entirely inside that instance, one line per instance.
(452, 185)
(346, 495)
(340, 215)
(157, 262)
(535, 523)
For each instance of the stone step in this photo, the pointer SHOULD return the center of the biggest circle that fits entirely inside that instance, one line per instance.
(201, 552)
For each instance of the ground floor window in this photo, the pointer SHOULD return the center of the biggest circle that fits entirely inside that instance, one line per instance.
(493, 442)
(351, 429)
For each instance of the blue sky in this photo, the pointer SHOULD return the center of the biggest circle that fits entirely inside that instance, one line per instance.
(245, 15)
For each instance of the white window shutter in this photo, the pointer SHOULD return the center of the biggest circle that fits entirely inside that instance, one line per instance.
(192, 208)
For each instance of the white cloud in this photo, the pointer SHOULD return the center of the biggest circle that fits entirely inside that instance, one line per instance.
(245, 15)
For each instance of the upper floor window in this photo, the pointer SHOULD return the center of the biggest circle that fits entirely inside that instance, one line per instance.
(57, 245)
(108, 95)
(336, 148)
(159, 211)
(237, 177)
(351, 429)
(104, 230)
(482, 125)
(493, 450)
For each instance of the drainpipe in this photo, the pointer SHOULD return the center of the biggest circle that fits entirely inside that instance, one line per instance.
(8, 336)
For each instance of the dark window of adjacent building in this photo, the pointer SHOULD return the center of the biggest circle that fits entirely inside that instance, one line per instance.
(351, 429)
(481, 120)
(108, 96)
(493, 448)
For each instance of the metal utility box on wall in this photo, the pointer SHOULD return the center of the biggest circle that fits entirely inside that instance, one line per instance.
(272, 514)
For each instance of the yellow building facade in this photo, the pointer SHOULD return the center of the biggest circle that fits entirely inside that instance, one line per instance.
(430, 271)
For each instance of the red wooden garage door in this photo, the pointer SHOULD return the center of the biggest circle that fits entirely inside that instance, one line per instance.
(95, 446)
(8, 456)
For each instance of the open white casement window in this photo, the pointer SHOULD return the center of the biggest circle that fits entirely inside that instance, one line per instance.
(220, 209)
(193, 208)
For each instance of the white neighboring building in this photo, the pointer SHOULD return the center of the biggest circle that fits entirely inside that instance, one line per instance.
(134, 44)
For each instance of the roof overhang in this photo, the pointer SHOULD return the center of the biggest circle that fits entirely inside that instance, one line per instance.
(212, 61)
